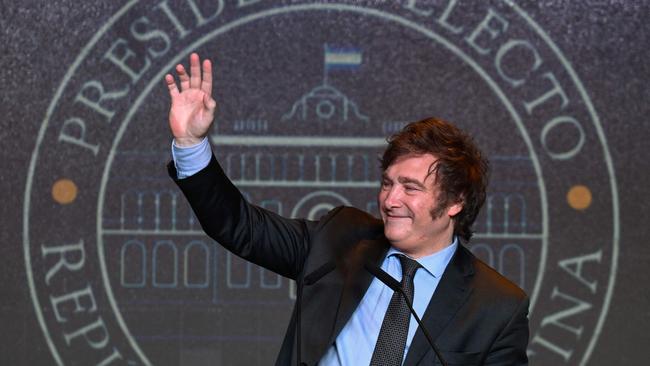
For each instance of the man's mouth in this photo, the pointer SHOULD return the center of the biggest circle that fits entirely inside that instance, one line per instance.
(390, 216)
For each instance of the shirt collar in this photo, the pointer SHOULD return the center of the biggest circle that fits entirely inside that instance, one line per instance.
(434, 263)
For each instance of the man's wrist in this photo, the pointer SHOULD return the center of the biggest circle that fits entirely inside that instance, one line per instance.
(187, 141)
(191, 159)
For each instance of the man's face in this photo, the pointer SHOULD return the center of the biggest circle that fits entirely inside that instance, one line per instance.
(407, 198)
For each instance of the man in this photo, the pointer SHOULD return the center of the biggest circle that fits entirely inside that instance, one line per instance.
(432, 188)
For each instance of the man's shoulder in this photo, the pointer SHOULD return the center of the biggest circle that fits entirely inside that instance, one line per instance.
(351, 218)
(344, 227)
(489, 282)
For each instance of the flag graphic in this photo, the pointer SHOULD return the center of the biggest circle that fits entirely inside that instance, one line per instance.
(342, 58)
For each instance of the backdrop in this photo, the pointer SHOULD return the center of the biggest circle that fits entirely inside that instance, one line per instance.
(105, 264)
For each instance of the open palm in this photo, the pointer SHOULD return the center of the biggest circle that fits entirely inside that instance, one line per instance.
(192, 107)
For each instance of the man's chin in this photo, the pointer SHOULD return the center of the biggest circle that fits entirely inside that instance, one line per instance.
(395, 238)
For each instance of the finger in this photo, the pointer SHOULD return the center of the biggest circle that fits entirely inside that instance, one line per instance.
(195, 71)
(206, 82)
(171, 85)
(184, 78)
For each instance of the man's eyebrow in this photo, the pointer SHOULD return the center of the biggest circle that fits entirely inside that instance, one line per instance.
(405, 180)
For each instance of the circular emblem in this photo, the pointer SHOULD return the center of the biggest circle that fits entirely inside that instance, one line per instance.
(118, 267)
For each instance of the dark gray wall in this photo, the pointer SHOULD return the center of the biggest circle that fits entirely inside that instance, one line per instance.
(567, 199)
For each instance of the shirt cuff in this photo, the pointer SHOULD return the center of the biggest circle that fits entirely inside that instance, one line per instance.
(190, 160)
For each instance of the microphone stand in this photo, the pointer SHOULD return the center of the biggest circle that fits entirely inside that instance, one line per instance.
(298, 311)
(307, 280)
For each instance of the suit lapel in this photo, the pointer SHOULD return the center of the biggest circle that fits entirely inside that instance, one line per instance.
(450, 295)
(358, 281)
(319, 305)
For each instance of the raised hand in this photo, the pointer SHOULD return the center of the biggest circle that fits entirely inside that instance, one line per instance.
(192, 108)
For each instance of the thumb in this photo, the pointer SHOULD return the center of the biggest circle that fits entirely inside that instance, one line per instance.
(208, 102)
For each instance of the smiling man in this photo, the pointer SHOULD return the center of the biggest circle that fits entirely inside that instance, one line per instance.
(414, 221)
(433, 186)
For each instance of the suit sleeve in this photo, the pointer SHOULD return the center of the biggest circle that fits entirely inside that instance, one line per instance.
(257, 235)
(510, 346)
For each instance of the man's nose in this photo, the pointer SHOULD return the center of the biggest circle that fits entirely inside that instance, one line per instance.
(392, 198)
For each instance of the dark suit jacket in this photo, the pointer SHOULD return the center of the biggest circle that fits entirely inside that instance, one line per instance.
(475, 317)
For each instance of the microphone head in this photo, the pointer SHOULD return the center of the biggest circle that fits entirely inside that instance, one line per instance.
(319, 273)
(381, 275)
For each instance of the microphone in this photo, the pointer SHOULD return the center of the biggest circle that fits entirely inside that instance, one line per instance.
(396, 286)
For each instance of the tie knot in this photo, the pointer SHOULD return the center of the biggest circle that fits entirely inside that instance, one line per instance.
(409, 266)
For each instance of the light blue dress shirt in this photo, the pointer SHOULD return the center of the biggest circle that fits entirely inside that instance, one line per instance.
(356, 342)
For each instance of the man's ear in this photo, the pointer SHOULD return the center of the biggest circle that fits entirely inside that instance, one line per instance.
(454, 209)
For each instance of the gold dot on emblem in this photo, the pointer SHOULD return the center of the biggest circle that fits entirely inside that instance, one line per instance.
(579, 197)
(64, 191)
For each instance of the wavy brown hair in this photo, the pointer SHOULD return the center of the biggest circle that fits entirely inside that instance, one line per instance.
(461, 170)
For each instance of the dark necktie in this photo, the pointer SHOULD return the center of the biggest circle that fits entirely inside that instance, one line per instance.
(389, 349)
